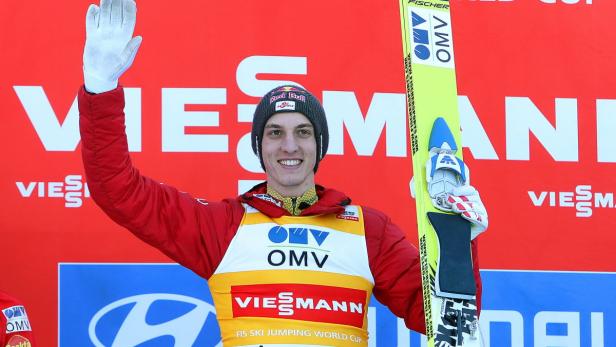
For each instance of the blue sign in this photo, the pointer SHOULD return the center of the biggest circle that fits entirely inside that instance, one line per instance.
(522, 308)
(134, 305)
(149, 305)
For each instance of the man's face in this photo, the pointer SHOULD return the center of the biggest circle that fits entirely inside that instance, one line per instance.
(289, 153)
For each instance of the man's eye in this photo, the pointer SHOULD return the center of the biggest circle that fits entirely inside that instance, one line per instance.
(274, 132)
(305, 132)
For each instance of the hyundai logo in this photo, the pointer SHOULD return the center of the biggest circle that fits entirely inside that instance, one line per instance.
(136, 326)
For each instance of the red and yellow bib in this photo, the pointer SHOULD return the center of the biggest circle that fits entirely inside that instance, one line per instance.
(295, 281)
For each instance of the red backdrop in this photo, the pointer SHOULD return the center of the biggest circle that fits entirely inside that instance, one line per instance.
(536, 75)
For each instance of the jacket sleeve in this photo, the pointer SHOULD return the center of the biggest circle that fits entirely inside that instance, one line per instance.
(395, 265)
(191, 232)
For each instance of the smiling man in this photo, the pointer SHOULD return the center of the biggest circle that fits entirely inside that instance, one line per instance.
(290, 137)
(289, 263)
(288, 151)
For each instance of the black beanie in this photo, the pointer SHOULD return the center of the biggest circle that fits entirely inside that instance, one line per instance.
(290, 98)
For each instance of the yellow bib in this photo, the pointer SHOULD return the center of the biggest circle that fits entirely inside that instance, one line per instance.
(295, 281)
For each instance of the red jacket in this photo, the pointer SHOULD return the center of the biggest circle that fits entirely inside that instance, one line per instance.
(14, 324)
(196, 234)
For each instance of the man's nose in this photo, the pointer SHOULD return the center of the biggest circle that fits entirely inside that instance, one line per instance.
(289, 144)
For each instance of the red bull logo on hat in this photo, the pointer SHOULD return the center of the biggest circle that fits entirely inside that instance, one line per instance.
(288, 89)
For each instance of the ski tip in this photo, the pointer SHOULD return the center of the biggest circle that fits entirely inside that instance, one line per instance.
(441, 136)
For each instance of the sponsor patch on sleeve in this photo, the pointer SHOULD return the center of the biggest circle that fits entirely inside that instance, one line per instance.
(350, 213)
(16, 319)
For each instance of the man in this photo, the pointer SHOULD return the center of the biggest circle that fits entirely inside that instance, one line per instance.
(15, 329)
(250, 248)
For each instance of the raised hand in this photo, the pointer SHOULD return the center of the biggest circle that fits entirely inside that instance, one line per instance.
(110, 46)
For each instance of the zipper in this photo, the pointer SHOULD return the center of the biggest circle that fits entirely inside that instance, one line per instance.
(293, 203)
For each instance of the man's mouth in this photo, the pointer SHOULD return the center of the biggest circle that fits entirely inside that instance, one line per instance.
(290, 162)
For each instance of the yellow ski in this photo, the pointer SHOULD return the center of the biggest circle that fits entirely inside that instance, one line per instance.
(444, 238)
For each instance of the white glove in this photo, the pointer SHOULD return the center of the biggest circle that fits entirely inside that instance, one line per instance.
(465, 200)
(110, 48)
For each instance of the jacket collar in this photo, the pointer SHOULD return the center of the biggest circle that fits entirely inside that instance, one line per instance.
(330, 201)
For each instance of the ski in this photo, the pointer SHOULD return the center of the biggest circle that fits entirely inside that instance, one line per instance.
(444, 238)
